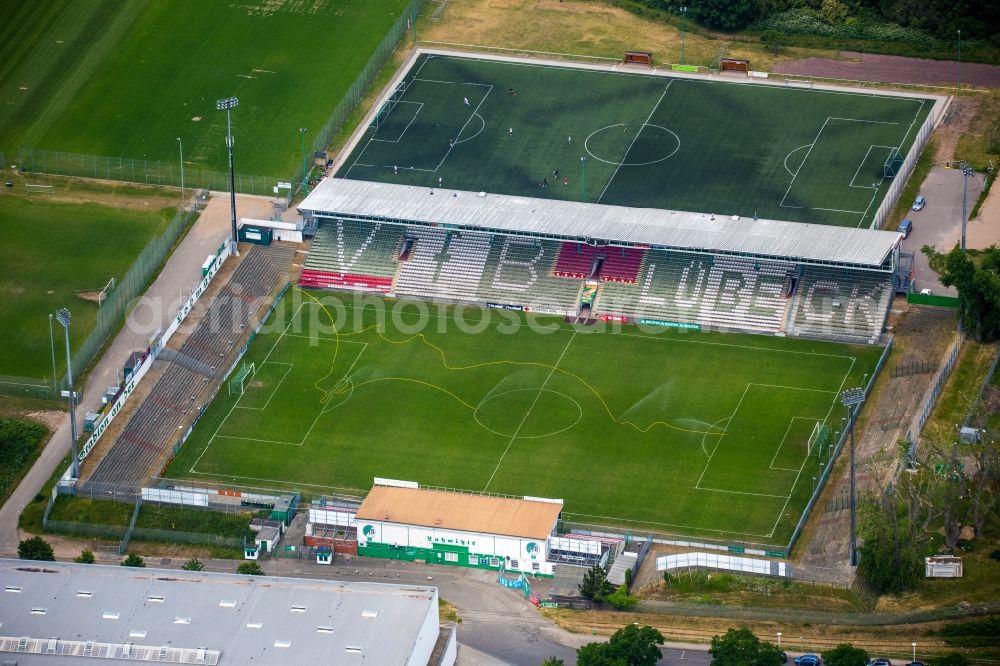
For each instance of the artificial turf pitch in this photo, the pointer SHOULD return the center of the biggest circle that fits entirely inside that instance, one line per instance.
(649, 141)
(694, 433)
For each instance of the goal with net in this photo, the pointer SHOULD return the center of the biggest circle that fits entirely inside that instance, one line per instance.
(238, 384)
(893, 163)
(819, 440)
(389, 105)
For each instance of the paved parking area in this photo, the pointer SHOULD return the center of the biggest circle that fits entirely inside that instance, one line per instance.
(939, 224)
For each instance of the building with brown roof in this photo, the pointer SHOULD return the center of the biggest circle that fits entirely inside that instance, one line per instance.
(400, 520)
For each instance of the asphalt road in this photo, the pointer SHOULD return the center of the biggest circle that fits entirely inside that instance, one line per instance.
(939, 224)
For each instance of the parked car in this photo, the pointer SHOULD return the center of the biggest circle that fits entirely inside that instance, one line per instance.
(784, 657)
(879, 661)
(919, 203)
(915, 663)
(808, 660)
(905, 227)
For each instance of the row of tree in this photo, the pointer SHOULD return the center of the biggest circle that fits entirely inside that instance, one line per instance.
(940, 18)
(640, 646)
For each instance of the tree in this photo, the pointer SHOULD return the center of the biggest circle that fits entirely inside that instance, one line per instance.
(35, 548)
(620, 599)
(597, 654)
(631, 645)
(595, 585)
(86, 556)
(723, 14)
(250, 569)
(133, 560)
(845, 654)
(978, 285)
(740, 647)
(553, 661)
(194, 564)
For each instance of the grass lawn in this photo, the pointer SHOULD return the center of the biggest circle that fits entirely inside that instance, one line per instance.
(652, 429)
(52, 251)
(126, 77)
(679, 144)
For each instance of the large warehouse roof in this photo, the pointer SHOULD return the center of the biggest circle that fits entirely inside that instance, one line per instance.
(338, 197)
(467, 512)
(209, 618)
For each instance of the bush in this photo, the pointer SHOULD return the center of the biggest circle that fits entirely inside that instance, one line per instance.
(35, 548)
(620, 599)
(86, 556)
(133, 560)
(194, 564)
(250, 569)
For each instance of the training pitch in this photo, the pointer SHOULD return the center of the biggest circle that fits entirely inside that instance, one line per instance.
(117, 78)
(693, 433)
(57, 255)
(757, 150)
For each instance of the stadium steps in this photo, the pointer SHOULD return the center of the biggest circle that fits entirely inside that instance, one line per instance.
(519, 271)
(153, 428)
(359, 256)
(843, 304)
(621, 264)
(444, 265)
(721, 291)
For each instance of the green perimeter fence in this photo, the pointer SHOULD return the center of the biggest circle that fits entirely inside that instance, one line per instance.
(143, 172)
(932, 299)
(112, 312)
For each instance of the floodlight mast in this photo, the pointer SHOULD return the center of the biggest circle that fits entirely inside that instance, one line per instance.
(851, 398)
(228, 104)
(63, 317)
(967, 173)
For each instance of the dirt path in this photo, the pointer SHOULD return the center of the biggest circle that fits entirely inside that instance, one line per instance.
(959, 118)
(893, 69)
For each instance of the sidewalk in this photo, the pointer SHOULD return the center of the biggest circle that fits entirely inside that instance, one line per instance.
(152, 312)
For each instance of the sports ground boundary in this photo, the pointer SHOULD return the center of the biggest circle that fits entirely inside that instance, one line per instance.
(574, 521)
(934, 117)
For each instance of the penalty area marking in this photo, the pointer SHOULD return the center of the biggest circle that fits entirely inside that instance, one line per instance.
(288, 369)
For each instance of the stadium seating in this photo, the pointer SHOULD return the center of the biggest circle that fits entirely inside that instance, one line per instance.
(841, 303)
(519, 271)
(721, 291)
(183, 385)
(353, 255)
(443, 264)
(577, 260)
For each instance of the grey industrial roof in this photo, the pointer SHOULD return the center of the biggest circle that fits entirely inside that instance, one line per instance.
(300, 621)
(566, 219)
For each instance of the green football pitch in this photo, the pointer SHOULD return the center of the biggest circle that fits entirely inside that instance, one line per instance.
(51, 253)
(687, 144)
(693, 433)
(127, 77)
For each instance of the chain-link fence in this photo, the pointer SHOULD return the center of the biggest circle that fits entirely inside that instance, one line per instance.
(27, 387)
(144, 172)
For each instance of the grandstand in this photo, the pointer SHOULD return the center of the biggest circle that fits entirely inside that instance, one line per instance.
(186, 374)
(649, 266)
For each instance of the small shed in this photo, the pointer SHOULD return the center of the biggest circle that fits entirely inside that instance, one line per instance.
(132, 364)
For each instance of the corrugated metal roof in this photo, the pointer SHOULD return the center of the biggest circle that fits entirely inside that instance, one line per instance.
(243, 617)
(566, 219)
(466, 512)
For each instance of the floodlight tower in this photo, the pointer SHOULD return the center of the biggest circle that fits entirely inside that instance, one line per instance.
(583, 178)
(63, 317)
(967, 173)
(228, 104)
(180, 147)
(852, 398)
(684, 11)
(305, 169)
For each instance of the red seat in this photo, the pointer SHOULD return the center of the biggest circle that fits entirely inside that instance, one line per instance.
(333, 280)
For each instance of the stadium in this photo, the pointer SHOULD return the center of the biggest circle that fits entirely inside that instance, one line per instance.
(519, 285)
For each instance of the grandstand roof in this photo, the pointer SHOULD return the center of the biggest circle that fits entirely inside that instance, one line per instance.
(407, 204)
(447, 509)
(236, 619)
